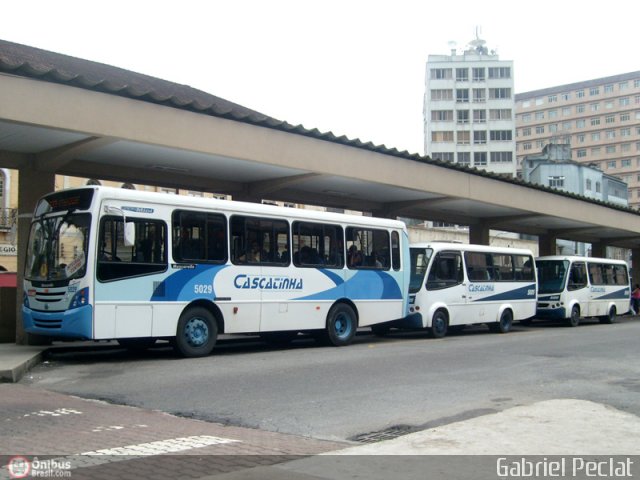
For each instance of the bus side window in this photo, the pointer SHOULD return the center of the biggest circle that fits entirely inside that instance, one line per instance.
(577, 277)
(446, 271)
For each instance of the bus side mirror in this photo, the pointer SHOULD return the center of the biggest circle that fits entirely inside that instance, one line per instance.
(129, 234)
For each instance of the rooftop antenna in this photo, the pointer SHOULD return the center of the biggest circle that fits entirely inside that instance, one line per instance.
(478, 44)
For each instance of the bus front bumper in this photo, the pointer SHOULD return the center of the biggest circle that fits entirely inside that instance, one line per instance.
(551, 313)
(72, 324)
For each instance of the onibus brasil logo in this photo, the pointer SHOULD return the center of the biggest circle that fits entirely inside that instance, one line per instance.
(21, 467)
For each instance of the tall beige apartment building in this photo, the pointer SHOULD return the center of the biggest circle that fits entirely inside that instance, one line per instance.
(599, 118)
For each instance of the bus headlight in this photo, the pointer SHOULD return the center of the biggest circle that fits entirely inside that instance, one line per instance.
(80, 299)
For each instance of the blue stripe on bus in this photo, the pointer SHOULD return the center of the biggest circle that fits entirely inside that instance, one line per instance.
(623, 294)
(364, 285)
(522, 293)
(335, 278)
(180, 285)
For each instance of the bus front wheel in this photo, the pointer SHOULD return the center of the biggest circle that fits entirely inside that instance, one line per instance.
(439, 324)
(574, 319)
(342, 324)
(197, 332)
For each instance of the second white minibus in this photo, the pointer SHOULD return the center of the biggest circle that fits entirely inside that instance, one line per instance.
(572, 287)
(459, 284)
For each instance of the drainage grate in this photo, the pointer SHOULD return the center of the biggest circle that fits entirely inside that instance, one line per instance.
(387, 434)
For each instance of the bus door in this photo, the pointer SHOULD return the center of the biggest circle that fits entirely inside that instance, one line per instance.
(446, 286)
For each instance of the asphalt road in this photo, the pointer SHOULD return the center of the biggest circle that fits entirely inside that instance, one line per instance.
(377, 386)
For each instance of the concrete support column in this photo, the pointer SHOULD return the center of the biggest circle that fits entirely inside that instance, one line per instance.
(546, 245)
(479, 234)
(32, 184)
(598, 250)
(635, 266)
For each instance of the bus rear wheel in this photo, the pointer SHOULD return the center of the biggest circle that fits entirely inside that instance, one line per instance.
(342, 324)
(610, 318)
(504, 324)
(197, 332)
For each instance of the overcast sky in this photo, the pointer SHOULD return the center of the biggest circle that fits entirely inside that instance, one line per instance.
(353, 67)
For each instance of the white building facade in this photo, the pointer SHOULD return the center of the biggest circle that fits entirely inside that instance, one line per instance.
(469, 110)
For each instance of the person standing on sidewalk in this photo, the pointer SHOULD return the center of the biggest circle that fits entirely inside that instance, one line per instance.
(635, 300)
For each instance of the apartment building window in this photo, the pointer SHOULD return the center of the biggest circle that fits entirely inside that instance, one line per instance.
(539, 129)
(593, 91)
(611, 149)
(566, 140)
(479, 116)
(526, 103)
(598, 187)
(553, 128)
(540, 144)
(526, 132)
(566, 96)
(480, 137)
(625, 163)
(463, 116)
(552, 98)
(441, 73)
(612, 164)
(556, 181)
(499, 72)
(499, 93)
(501, 157)
(588, 184)
(595, 121)
(464, 158)
(500, 135)
(580, 108)
(442, 136)
(566, 111)
(611, 134)
(478, 74)
(625, 132)
(623, 86)
(444, 156)
(636, 83)
(625, 147)
(479, 95)
(500, 114)
(580, 123)
(608, 104)
(462, 95)
(580, 137)
(595, 136)
(539, 115)
(462, 74)
(595, 151)
(539, 101)
(625, 117)
(581, 153)
(441, 94)
(527, 146)
(526, 117)
(463, 138)
(594, 107)
(441, 115)
(610, 119)
(553, 114)
(624, 101)
(579, 93)
(608, 88)
(480, 158)
(637, 99)
(566, 126)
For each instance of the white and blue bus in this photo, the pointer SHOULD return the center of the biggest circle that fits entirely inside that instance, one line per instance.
(455, 284)
(107, 263)
(572, 287)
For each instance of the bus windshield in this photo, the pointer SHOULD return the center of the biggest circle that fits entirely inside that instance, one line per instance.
(552, 275)
(419, 262)
(57, 249)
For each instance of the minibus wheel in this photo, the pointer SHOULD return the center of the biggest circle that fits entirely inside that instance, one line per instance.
(504, 324)
(574, 319)
(342, 324)
(609, 318)
(439, 324)
(197, 332)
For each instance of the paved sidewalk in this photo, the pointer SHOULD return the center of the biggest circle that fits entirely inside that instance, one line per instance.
(16, 360)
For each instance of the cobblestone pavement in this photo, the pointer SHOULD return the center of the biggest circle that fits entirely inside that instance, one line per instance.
(49, 434)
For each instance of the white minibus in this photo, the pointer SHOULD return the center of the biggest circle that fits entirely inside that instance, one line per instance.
(571, 287)
(456, 284)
